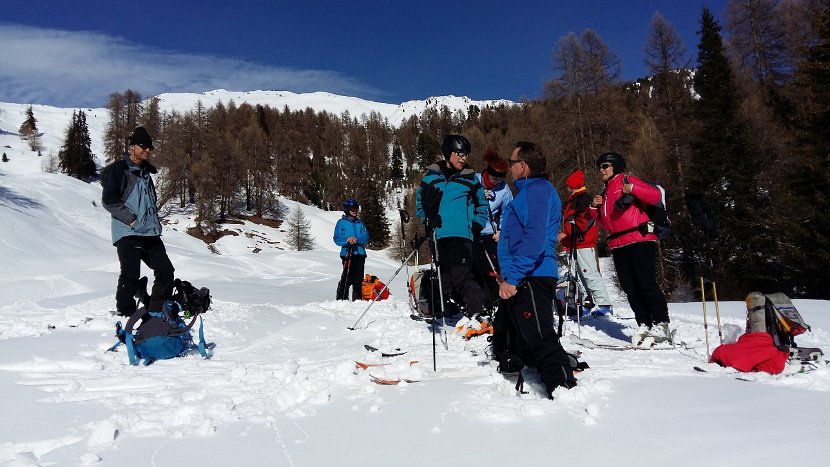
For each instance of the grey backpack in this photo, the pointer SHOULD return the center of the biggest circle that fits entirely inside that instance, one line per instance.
(776, 315)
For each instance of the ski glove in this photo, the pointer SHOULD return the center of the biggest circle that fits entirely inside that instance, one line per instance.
(431, 201)
(433, 223)
(476, 229)
(624, 201)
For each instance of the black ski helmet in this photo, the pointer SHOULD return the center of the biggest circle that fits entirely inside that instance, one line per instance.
(454, 143)
(349, 204)
(614, 159)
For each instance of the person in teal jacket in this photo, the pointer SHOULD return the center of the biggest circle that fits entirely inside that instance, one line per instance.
(351, 235)
(529, 270)
(450, 202)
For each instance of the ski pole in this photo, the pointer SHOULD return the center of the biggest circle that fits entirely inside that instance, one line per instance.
(717, 310)
(437, 261)
(705, 323)
(385, 287)
(404, 220)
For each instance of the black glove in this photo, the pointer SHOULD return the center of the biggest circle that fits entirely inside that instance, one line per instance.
(624, 201)
(430, 201)
(433, 223)
(476, 228)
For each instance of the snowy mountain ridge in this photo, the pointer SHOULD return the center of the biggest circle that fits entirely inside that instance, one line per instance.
(53, 121)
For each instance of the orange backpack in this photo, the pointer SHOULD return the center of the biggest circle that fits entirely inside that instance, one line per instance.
(372, 286)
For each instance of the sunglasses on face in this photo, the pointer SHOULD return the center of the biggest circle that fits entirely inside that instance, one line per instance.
(510, 162)
(461, 155)
(145, 147)
(605, 166)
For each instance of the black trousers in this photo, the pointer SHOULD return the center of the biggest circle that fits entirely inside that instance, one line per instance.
(455, 260)
(352, 277)
(487, 247)
(636, 269)
(530, 313)
(132, 250)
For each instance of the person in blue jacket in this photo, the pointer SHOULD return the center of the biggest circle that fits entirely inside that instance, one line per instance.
(529, 269)
(497, 194)
(130, 197)
(450, 201)
(351, 235)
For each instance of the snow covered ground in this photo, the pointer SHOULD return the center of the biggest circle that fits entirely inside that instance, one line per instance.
(282, 387)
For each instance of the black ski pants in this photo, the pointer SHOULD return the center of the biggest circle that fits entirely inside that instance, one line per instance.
(636, 266)
(132, 250)
(530, 312)
(484, 248)
(353, 267)
(455, 261)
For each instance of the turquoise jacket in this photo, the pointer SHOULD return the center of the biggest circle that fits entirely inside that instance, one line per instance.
(351, 227)
(462, 202)
(529, 227)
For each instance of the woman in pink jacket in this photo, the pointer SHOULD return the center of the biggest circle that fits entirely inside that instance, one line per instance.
(621, 210)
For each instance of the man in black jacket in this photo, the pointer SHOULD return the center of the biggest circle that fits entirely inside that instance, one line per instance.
(130, 197)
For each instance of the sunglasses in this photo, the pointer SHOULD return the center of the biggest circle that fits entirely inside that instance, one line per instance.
(461, 155)
(145, 147)
(510, 162)
(605, 166)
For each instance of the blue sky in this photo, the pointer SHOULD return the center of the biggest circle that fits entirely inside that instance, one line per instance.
(75, 53)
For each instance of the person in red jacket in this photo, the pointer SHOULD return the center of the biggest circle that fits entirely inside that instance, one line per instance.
(585, 236)
(621, 210)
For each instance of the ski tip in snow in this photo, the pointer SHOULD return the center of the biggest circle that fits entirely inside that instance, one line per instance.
(390, 381)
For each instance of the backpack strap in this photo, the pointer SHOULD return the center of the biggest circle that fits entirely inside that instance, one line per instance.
(202, 350)
(639, 228)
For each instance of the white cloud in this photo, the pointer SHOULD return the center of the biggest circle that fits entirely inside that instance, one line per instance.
(80, 69)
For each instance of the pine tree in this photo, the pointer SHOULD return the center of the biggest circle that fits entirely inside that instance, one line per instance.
(372, 213)
(298, 236)
(396, 169)
(724, 168)
(810, 211)
(76, 154)
(28, 130)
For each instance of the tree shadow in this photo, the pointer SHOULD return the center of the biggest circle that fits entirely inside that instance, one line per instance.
(11, 199)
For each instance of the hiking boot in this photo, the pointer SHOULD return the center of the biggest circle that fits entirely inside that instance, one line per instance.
(584, 312)
(602, 311)
(475, 325)
(640, 335)
(660, 332)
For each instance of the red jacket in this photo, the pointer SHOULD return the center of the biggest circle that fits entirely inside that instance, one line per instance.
(578, 205)
(617, 220)
(753, 352)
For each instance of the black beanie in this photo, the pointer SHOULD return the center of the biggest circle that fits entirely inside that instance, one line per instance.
(140, 136)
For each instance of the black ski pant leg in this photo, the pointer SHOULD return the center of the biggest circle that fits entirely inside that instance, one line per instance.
(644, 260)
(636, 270)
(489, 285)
(456, 262)
(155, 257)
(129, 258)
(342, 284)
(531, 312)
(356, 272)
(626, 273)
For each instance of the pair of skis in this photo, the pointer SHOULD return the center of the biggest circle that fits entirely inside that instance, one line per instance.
(587, 343)
(384, 381)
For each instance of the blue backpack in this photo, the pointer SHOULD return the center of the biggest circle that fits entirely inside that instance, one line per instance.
(165, 334)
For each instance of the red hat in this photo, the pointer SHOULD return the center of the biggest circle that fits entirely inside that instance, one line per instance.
(496, 166)
(576, 179)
